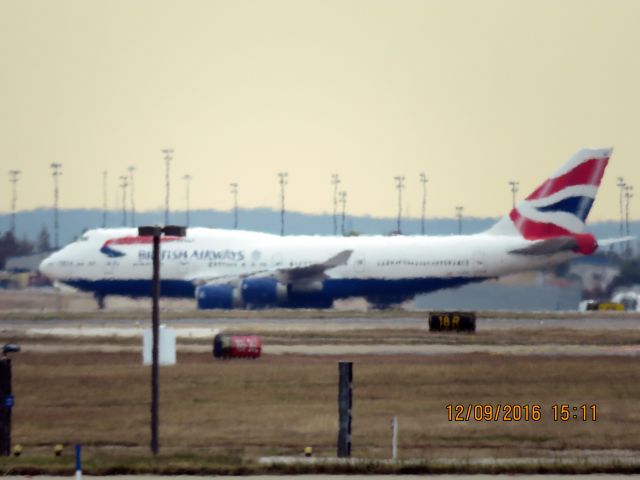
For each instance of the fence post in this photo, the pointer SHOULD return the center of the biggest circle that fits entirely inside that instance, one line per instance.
(345, 404)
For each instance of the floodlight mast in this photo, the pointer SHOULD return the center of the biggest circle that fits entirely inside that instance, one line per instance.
(234, 192)
(628, 195)
(13, 179)
(283, 182)
(56, 172)
(168, 156)
(514, 190)
(399, 185)
(459, 210)
(621, 185)
(335, 181)
(123, 186)
(423, 181)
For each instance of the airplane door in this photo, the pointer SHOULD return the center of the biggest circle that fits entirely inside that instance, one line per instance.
(478, 262)
(183, 267)
(276, 260)
(109, 268)
(359, 263)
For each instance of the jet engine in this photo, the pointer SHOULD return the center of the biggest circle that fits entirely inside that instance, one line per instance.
(263, 292)
(223, 297)
(256, 293)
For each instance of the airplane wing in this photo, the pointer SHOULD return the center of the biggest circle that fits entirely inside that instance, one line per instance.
(560, 244)
(303, 275)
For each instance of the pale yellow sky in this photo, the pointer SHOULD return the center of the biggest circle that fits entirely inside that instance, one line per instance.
(474, 93)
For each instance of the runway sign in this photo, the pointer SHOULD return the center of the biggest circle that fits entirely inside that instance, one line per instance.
(452, 322)
(605, 306)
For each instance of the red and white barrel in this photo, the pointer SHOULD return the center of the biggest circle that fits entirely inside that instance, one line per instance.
(237, 346)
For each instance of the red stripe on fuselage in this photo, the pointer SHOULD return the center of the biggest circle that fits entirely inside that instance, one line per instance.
(137, 240)
(589, 172)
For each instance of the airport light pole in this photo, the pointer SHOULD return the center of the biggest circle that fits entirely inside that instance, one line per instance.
(133, 204)
(56, 167)
(123, 186)
(335, 181)
(156, 232)
(187, 180)
(234, 192)
(283, 182)
(514, 190)
(104, 199)
(423, 181)
(343, 201)
(621, 185)
(13, 178)
(168, 156)
(459, 210)
(399, 185)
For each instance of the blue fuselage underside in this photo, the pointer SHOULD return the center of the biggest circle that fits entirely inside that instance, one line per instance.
(332, 288)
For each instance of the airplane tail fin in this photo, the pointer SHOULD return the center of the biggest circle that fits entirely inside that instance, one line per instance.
(560, 206)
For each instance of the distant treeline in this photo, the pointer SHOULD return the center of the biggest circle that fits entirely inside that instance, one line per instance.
(10, 246)
(29, 224)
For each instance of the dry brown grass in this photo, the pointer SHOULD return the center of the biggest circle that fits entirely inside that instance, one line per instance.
(279, 404)
(375, 336)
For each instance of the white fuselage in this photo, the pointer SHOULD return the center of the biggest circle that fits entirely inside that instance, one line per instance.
(98, 263)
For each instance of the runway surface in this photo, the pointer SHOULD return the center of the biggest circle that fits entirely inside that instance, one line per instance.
(614, 322)
(198, 329)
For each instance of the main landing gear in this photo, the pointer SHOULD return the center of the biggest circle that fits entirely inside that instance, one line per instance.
(100, 300)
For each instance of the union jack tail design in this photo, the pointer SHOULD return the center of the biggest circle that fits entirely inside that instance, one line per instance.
(559, 207)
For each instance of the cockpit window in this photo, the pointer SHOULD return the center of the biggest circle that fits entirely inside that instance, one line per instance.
(83, 238)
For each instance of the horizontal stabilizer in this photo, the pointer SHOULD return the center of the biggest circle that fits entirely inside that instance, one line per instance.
(548, 246)
(612, 241)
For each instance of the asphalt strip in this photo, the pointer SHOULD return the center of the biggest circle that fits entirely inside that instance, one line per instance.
(324, 350)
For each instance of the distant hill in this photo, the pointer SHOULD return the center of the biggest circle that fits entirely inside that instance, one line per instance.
(74, 221)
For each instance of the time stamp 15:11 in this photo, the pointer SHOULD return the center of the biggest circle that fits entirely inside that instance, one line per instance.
(560, 412)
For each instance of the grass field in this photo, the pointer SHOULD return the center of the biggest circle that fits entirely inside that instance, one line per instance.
(229, 413)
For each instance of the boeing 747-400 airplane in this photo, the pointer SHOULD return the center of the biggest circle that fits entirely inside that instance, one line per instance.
(239, 269)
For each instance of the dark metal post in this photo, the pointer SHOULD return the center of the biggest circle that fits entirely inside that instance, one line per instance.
(155, 319)
(6, 406)
(345, 404)
(156, 232)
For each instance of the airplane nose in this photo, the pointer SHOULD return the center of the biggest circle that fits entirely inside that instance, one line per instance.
(46, 267)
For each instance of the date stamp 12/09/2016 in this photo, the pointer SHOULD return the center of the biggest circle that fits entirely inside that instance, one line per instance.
(509, 412)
